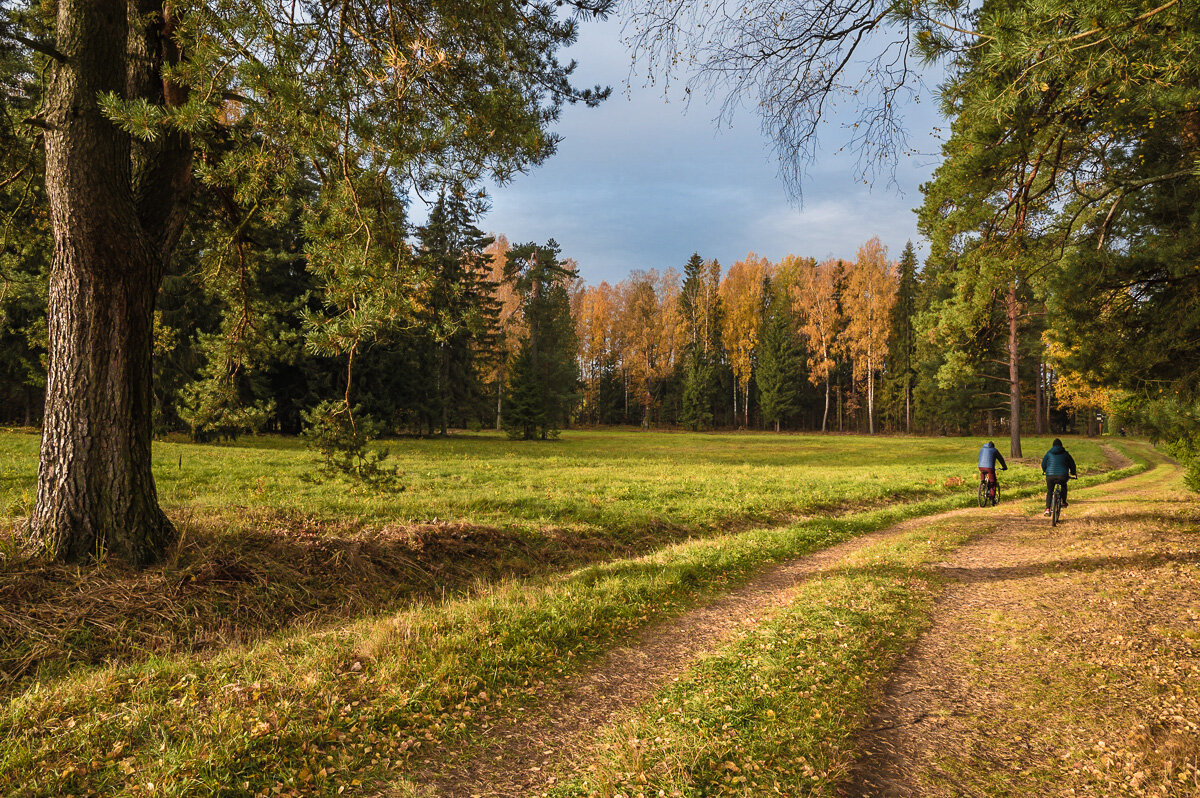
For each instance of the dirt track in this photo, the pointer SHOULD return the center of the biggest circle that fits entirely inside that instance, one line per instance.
(1000, 697)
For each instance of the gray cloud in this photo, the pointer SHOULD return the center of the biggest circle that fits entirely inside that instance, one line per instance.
(638, 183)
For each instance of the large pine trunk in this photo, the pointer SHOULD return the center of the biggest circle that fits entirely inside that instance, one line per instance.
(96, 493)
(116, 207)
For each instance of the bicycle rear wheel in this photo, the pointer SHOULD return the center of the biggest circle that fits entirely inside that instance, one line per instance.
(1055, 505)
(983, 493)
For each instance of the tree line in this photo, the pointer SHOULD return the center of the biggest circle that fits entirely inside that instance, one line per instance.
(496, 335)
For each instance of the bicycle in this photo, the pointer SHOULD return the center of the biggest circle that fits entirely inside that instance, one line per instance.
(986, 496)
(1056, 501)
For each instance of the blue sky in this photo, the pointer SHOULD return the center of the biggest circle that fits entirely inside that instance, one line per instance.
(641, 183)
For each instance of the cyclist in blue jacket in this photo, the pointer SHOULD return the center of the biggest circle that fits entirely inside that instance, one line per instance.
(988, 456)
(1058, 466)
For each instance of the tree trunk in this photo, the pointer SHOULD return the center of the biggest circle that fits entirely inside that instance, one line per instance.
(500, 394)
(117, 208)
(1037, 403)
(1014, 379)
(870, 398)
(908, 403)
(825, 417)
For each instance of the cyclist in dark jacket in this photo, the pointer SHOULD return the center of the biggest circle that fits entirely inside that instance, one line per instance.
(988, 456)
(1058, 466)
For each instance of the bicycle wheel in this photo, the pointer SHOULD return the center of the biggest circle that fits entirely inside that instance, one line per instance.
(1055, 505)
(983, 493)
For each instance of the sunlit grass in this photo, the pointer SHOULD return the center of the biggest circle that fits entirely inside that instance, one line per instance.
(616, 481)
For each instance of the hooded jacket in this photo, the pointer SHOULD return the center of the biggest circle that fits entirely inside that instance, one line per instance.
(1058, 462)
(988, 456)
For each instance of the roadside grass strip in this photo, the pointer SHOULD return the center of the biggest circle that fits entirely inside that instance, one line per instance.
(330, 712)
(775, 713)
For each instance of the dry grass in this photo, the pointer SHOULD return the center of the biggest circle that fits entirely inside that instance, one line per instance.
(221, 590)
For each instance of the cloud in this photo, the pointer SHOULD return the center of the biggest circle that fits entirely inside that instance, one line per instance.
(638, 183)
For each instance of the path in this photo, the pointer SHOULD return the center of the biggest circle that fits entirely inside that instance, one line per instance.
(521, 750)
(1058, 663)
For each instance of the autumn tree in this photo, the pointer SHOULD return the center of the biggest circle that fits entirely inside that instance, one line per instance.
(814, 297)
(596, 311)
(742, 293)
(868, 300)
(650, 318)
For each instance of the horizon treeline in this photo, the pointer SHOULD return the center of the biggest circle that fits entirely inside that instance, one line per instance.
(467, 331)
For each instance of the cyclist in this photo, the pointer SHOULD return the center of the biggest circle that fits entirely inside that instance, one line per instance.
(988, 456)
(1058, 466)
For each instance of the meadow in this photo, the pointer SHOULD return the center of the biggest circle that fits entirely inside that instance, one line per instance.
(308, 638)
(617, 481)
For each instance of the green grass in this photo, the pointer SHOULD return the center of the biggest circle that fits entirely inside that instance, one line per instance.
(317, 702)
(616, 481)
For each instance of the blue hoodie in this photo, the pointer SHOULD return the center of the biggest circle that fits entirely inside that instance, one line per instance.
(1057, 462)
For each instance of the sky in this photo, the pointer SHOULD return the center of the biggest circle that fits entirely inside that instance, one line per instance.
(642, 182)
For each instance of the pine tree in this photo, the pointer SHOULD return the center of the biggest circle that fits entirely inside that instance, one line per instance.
(147, 103)
(543, 385)
(780, 362)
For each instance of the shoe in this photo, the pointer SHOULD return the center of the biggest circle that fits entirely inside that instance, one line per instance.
(1064, 504)
(1046, 513)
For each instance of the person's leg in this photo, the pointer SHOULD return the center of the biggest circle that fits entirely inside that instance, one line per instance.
(1065, 480)
(1049, 492)
(990, 475)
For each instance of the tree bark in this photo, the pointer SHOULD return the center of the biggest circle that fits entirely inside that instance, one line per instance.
(870, 396)
(117, 208)
(825, 417)
(1012, 306)
(1037, 402)
(908, 403)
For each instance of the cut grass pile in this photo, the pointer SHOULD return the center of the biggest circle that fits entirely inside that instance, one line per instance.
(315, 710)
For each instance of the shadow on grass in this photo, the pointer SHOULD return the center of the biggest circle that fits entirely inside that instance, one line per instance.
(1077, 565)
(226, 587)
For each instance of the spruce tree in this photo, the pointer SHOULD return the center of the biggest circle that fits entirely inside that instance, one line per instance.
(780, 371)
(543, 386)
(460, 310)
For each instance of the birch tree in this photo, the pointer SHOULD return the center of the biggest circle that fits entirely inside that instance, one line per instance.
(868, 301)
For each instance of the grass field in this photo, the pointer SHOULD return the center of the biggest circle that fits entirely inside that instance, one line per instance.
(308, 638)
(617, 481)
